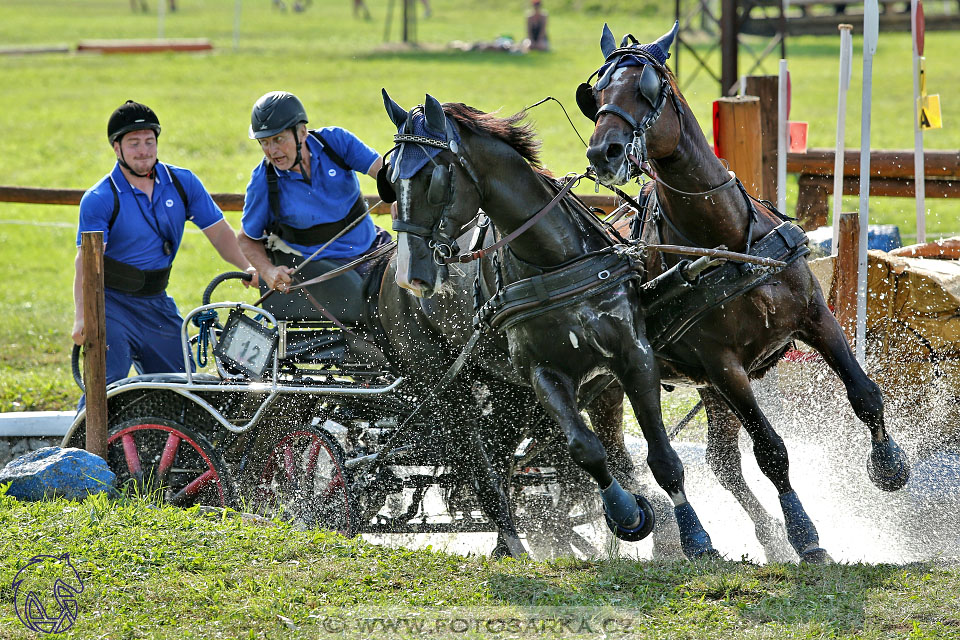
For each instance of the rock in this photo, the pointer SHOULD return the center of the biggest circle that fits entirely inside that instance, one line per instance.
(52, 471)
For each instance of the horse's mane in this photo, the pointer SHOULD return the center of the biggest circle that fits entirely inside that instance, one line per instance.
(511, 129)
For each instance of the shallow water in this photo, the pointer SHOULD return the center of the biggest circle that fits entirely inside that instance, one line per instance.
(828, 449)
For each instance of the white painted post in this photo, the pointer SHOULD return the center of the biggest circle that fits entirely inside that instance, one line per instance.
(236, 23)
(919, 173)
(782, 138)
(161, 14)
(871, 29)
(846, 54)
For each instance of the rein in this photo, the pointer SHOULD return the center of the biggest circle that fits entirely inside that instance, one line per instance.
(470, 256)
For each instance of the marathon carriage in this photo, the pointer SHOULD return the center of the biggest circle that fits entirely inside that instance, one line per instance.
(302, 420)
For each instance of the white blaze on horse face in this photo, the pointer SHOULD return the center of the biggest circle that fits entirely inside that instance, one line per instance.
(403, 239)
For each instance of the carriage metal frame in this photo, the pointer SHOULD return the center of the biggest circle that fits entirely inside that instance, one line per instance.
(299, 444)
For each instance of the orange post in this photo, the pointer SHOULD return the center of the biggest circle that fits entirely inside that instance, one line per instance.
(737, 138)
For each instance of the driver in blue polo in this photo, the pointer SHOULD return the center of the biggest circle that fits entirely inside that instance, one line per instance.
(141, 207)
(303, 195)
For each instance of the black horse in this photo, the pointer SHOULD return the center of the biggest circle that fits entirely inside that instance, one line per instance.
(644, 123)
(569, 304)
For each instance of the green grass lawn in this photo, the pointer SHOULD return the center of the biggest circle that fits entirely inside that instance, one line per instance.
(170, 573)
(54, 107)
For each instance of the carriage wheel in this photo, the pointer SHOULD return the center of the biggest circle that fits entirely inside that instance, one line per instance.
(155, 454)
(304, 480)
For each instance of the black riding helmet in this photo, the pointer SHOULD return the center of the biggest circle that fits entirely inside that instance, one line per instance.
(131, 116)
(274, 112)
(128, 117)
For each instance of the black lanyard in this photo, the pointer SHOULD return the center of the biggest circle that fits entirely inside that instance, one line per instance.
(167, 244)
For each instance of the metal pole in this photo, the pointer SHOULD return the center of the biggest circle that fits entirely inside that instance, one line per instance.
(846, 54)
(161, 13)
(728, 46)
(94, 342)
(782, 139)
(236, 23)
(919, 173)
(871, 29)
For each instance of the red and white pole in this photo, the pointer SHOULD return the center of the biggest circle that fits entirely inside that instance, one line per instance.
(846, 54)
(919, 89)
(871, 32)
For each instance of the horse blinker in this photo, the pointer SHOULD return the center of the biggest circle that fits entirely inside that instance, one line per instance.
(586, 101)
(650, 84)
(438, 190)
(384, 188)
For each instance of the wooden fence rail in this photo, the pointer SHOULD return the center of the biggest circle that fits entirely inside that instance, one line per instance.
(226, 201)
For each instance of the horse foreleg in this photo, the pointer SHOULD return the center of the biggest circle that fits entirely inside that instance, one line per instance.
(606, 416)
(557, 394)
(723, 456)
(887, 465)
(641, 380)
(731, 381)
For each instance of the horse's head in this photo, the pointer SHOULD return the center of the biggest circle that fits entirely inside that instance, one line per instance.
(628, 104)
(436, 191)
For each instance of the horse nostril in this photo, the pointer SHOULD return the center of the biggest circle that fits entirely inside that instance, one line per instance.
(614, 151)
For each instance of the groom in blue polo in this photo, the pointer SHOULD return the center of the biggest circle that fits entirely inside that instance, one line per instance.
(141, 207)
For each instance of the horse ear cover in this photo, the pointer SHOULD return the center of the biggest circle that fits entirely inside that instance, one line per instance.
(384, 188)
(433, 113)
(397, 113)
(607, 42)
(586, 101)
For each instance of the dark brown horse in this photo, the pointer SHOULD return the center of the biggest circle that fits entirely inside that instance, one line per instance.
(452, 160)
(643, 122)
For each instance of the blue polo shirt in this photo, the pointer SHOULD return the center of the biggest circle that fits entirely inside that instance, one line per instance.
(144, 224)
(328, 198)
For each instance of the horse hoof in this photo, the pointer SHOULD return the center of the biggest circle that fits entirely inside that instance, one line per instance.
(694, 540)
(641, 531)
(887, 467)
(816, 556)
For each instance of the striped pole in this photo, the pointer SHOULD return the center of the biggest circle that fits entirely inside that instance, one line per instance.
(871, 29)
(846, 53)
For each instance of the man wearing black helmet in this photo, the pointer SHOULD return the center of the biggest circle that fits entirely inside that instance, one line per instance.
(300, 197)
(141, 207)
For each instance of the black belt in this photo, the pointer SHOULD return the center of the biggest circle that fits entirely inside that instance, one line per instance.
(320, 233)
(139, 282)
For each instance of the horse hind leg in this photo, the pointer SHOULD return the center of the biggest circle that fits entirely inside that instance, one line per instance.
(606, 417)
(887, 465)
(731, 382)
(723, 456)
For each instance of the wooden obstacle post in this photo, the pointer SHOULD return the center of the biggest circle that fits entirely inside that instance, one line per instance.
(765, 88)
(843, 293)
(94, 342)
(737, 135)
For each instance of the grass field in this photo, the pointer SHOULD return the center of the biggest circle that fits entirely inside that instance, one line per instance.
(53, 110)
(169, 573)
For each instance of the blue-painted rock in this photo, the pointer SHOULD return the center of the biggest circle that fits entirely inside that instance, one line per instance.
(54, 472)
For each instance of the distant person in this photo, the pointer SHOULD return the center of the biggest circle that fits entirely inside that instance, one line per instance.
(426, 8)
(536, 29)
(144, 7)
(359, 6)
(141, 207)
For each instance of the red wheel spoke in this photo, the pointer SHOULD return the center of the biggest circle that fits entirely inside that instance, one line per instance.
(131, 455)
(289, 464)
(168, 455)
(312, 456)
(194, 487)
(333, 486)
